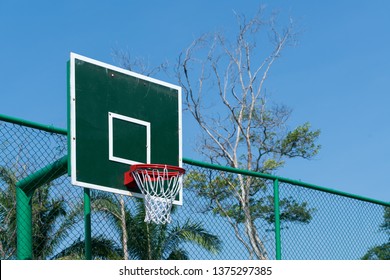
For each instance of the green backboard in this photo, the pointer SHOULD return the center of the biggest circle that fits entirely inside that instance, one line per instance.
(118, 118)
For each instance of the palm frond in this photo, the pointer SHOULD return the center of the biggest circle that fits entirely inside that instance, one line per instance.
(193, 233)
(178, 254)
(102, 248)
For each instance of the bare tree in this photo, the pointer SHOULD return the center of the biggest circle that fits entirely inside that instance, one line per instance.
(137, 64)
(224, 89)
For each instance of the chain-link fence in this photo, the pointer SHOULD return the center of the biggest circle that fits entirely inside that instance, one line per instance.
(227, 213)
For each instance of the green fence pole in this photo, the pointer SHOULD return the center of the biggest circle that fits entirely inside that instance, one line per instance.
(277, 220)
(24, 191)
(43, 176)
(87, 224)
(47, 128)
(24, 249)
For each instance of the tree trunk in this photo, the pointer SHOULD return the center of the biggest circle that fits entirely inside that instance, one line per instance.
(124, 228)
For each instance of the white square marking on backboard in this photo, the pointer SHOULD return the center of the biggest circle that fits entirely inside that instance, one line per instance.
(111, 117)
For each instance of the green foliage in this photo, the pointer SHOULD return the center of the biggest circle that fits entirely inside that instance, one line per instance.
(8, 214)
(51, 222)
(270, 143)
(381, 252)
(272, 164)
(148, 241)
(195, 233)
(222, 191)
(102, 249)
(300, 142)
(46, 212)
(386, 223)
(290, 210)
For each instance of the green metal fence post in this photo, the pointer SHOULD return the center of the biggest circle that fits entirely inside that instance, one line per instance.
(24, 249)
(24, 191)
(87, 224)
(277, 220)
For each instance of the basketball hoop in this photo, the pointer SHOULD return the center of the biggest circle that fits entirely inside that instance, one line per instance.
(159, 183)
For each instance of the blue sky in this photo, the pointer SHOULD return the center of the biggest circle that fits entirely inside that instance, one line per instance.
(337, 77)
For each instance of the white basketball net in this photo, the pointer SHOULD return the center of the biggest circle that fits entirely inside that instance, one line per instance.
(159, 191)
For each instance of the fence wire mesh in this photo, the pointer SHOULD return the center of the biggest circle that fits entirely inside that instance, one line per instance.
(212, 223)
(341, 227)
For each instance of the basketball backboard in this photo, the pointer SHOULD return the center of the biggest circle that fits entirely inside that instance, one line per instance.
(118, 118)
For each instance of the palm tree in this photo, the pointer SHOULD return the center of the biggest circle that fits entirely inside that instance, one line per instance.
(52, 223)
(146, 241)
(102, 249)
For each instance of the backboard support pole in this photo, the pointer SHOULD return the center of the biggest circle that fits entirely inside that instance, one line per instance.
(87, 224)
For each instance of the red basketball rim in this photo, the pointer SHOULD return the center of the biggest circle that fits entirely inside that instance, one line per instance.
(150, 169)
